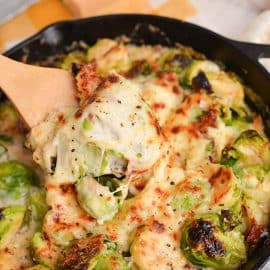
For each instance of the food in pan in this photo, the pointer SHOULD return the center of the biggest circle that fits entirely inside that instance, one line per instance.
(163, 165)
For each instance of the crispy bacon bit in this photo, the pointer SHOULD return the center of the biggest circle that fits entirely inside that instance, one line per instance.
(67, 188)
(159, 105)
(254, 233)
(157, 227)
(201, 235)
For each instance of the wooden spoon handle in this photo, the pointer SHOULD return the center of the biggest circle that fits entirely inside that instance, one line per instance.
(36, 91)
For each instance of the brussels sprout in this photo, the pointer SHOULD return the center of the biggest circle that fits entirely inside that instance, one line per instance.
(40, 250)
(95, 162)
(198, 66)
(192, 195)
(11, 219)
(16, 180)
(3, 150)
(38, 267)
(96, 199)
(113, 163)
(93, 253)
(249, 155)
(36, 208)
(76, 57)
(227, 87)
(174, 61)
(9, 117)
(207, 241)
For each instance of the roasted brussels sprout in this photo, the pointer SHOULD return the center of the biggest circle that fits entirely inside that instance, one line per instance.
(11, 219)
(191, 195)
(9, 117)
(249, 155)
(97, 199)
(208, 241)
(93, 253)
(198, 66)
(16, 180)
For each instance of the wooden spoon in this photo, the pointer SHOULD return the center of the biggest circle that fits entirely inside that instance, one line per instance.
(36, 91)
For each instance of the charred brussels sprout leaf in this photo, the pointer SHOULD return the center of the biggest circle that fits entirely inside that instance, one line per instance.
(16, 180)
(249, 155)
(207, 243)
(10, 221)
(93, 253)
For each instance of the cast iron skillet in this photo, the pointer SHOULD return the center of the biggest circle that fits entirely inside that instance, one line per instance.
(239, 57)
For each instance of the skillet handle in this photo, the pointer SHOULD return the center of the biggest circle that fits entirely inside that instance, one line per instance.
(253, 50)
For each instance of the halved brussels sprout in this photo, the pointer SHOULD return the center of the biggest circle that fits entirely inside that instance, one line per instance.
(99, 200)
(249, 155)
(209, 242)
(38, 267)
(16, 180)
(11, 219)
(227, 87)
(93, 253)
(198, 66)
(9, 117)
(191, 195)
